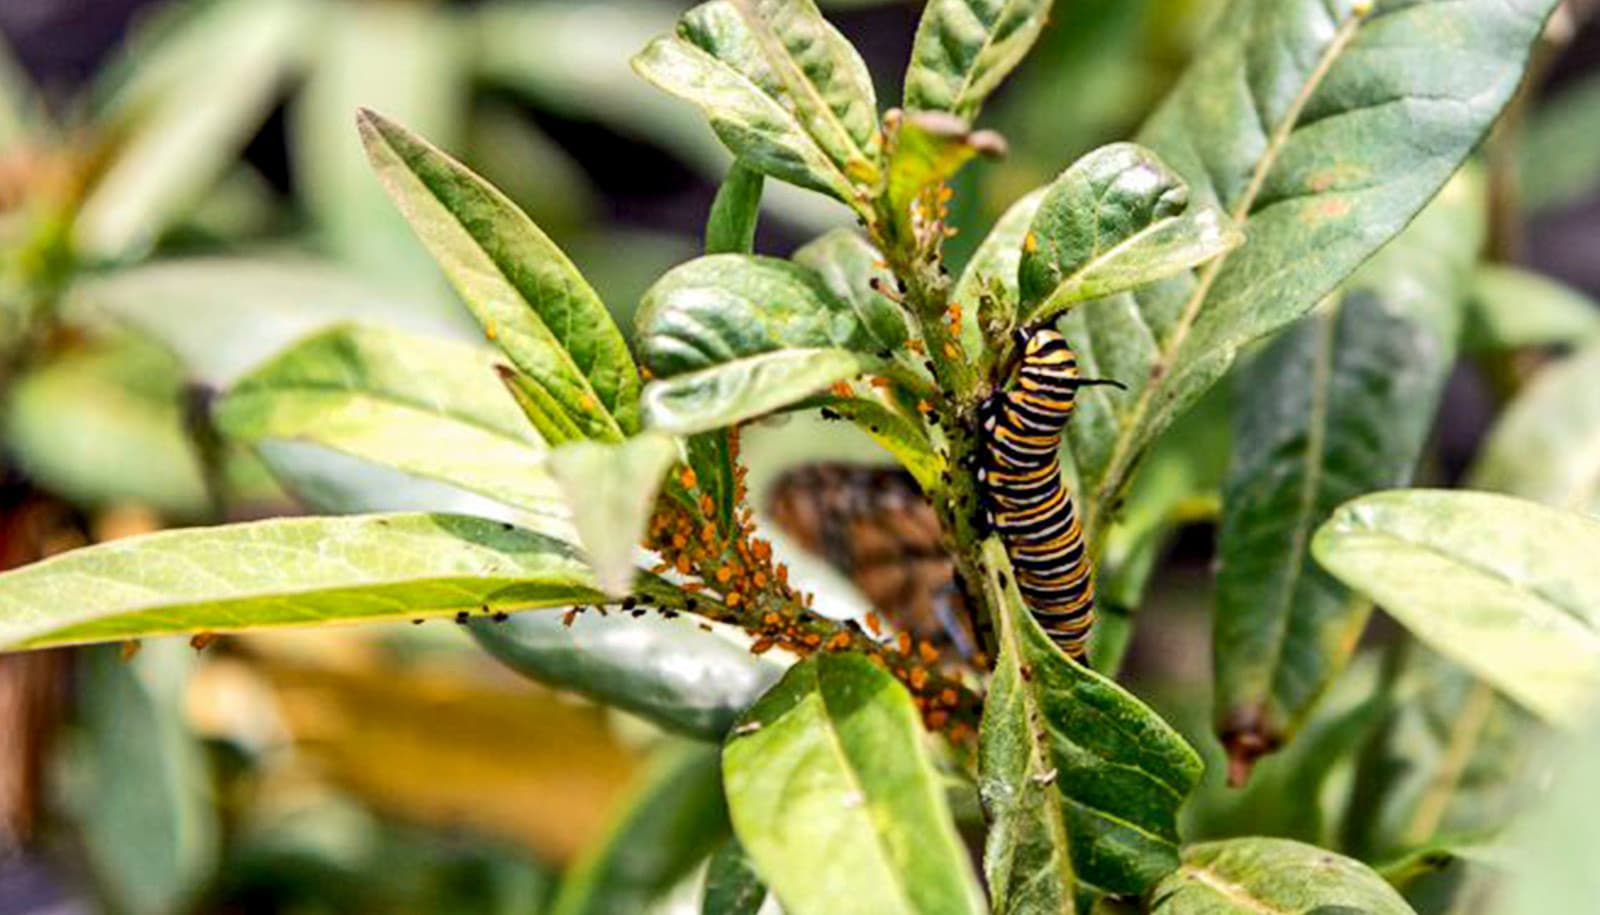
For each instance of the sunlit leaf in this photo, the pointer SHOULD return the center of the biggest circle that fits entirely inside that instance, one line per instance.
(1258, 876)
(1511, 308)
(527, 295)
(1117, 219)
(964, 48)
(1546, 445)
(611, 490)
(744, 389)
(1506, 588)
(834, 797)
(287, 572)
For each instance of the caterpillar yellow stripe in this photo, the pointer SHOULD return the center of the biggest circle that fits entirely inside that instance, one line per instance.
(1020, 474)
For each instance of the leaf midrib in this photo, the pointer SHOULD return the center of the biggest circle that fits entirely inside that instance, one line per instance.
(1232, 892)
(1311, 483)
(793, 75)
(1120, 453)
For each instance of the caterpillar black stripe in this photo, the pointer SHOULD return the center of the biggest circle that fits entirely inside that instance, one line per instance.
(1020, 475)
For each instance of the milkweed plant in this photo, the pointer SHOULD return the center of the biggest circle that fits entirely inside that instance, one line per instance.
(1286, 252)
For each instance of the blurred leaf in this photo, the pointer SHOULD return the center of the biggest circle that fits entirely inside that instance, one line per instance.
(1256, 876)
(429, 407)
(1553, 848)
(1445, 767)
(287, 572)
(1323, 130)
(835, 799)
(1511, 308)
(1117, 219)
(529, 298)
(20, 105)
(104, 425)
(611, 490)
(744, 389)
(428, 745)
(822, 79)
(537, 173)
(674, 817)
(732, 885)
(720, 308)
(1546, 445)
(1506, 588)
(716, 61)
(964, 48)
(280, 299)
(178, 132)
(1338, 405)
(992, 272)
(138, 781)
(1082, 782)
(1301, 792)
(1556, 162)
(406, 60)
(670, 672)
(731, 227)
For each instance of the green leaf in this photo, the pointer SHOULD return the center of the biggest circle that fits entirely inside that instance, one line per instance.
(408, 61)
(280, 298)
(825, 82)
(1553, 863)
(1504, 587)
(835, 799)
(1323, 129)
(1546, 445)
(744, 388)
(927, 149)
(1445, 768)
(611, 491)
(287, 572)
(715, 62)
(429, 407)
(667, 671)
(1277, 876)
(674, 817)
(1117, 219)
(1082, 782)
(732, 886)
(1338, 405)
(1556, 162)
(104, 425)
(988, 285)
(847, 264)
(717, 309)
(1513, 308)
(964, 48)
(896, 434)
(136, 780)
(731, 228)
(182, 125)
(529, 298)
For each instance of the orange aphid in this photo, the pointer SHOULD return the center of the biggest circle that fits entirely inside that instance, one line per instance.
(928, 653)
(950, 351)
(724, 575)
(924, 407)
(903, 642)
(840, 389)
(1030, 243)
(948, 697)
(918, 678)
(762, 646)
(938, 719)
(874, 625)
(687, 478)
(839, 642)
(734, 599)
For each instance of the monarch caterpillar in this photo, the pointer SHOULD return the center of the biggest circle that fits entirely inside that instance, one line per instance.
(1019, 474)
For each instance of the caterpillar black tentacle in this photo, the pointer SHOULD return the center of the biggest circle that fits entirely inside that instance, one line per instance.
(1025, 501)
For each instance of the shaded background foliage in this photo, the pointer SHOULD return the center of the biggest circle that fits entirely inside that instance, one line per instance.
(1092, 79)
